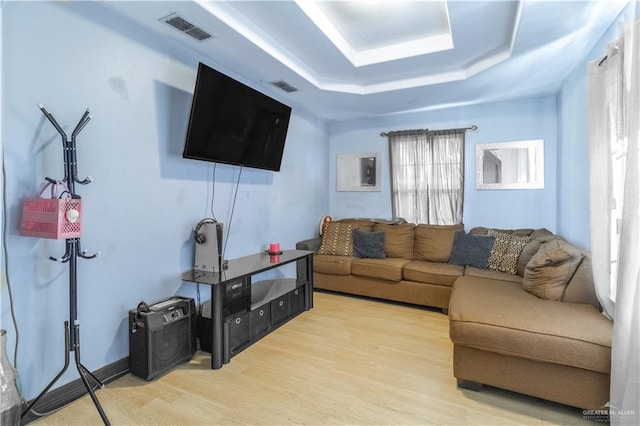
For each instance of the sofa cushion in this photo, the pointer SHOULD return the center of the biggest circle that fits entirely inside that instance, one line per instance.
(385, 269)
(434, 242)
(432, 272)
(337, 239)
(333, 265)
(541, 232)
(363, 224)
(472, 271)
(532, 248)
(398, 239)
(498, 316)
(368, 244)
(551, 268)
(581, 288)
(506, 251)
(470, 249)
(524, 232)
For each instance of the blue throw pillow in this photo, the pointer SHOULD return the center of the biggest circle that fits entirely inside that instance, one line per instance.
(368, 244)
(471, 249)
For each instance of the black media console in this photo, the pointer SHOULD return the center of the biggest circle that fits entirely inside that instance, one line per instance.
(242, 312)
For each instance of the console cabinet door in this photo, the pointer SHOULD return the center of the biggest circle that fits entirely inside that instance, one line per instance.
(260, 319)
(296, 301)
(280, 310)
(237, 333)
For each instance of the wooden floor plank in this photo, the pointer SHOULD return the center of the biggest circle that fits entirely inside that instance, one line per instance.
(348, 361)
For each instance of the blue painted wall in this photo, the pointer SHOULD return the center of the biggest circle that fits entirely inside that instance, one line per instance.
(145, 198)
(497, 122)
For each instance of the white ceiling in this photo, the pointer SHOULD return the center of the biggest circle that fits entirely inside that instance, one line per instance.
(364, 58)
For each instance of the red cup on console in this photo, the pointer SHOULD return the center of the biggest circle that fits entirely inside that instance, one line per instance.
(274, 248)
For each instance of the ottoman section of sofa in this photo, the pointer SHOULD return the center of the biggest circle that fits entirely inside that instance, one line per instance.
(500, 317)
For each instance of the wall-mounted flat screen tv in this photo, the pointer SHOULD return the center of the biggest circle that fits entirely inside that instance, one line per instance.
(232, 123)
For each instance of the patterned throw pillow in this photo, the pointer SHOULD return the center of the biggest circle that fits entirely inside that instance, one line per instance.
(506, 251)
(337, 239)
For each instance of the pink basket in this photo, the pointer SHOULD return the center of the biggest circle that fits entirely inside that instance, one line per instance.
(56, 218)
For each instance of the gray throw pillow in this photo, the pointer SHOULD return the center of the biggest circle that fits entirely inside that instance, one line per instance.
(368, 244)
(471, 249)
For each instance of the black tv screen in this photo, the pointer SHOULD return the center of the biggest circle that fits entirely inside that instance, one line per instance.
(232, 123)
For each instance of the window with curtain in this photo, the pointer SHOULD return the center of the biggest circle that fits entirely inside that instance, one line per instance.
(427, 175)
(614, 190)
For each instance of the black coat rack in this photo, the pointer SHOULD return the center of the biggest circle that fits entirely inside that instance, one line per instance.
(72, 252)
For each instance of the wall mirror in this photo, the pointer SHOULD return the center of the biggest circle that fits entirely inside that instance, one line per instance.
(510, 165)
(359, 172)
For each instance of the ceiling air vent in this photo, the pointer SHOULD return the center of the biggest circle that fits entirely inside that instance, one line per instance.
(186, 27)
(284, 86)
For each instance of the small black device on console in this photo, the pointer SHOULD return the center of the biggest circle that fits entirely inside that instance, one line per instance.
(161, 336)
(208, 237)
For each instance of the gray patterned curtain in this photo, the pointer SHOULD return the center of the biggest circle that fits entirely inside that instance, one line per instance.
(427, 175)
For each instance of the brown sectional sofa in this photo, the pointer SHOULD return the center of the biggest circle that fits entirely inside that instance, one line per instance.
(503, 335)
(414, 270)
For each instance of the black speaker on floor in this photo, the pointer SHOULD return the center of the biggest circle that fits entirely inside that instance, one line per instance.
(161, 336)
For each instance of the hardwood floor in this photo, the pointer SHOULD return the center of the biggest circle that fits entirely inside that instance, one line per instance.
(348, 361)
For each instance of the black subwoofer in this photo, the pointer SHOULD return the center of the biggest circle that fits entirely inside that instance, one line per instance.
(161, 336)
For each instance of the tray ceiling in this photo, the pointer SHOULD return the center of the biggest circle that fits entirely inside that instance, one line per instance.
(353, 59)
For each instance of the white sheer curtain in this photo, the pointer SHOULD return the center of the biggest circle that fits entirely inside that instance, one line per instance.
(614, 116)
(427, 176)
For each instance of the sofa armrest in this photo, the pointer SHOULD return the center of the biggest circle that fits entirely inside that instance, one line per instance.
(312, 244)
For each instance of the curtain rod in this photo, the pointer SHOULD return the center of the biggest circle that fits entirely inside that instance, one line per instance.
(407, 132)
